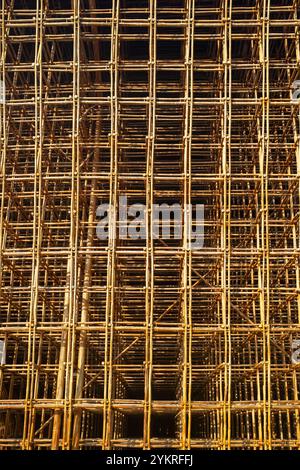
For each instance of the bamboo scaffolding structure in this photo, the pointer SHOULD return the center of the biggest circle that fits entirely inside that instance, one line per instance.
(148, 343)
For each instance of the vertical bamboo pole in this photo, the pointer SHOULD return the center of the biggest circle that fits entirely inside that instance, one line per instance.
(149, 279)
(88, 265)
(227, 183)
(3, 146)
(186, 248)
(36, 230)
(37, 227)
(63, 386)
(111, 252)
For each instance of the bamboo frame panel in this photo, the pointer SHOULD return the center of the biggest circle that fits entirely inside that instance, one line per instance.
(126, 343)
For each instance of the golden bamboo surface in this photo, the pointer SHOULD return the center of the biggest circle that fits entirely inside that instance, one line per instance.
(116, 343)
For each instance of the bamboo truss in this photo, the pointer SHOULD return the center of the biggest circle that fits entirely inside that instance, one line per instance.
(116, 343)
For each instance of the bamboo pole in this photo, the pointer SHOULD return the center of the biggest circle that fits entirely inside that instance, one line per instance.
(148, 343)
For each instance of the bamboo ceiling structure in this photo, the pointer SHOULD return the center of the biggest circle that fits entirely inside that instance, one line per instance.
(146, 343)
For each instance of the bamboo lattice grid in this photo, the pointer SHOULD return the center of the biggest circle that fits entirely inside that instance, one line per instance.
(146, 343)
